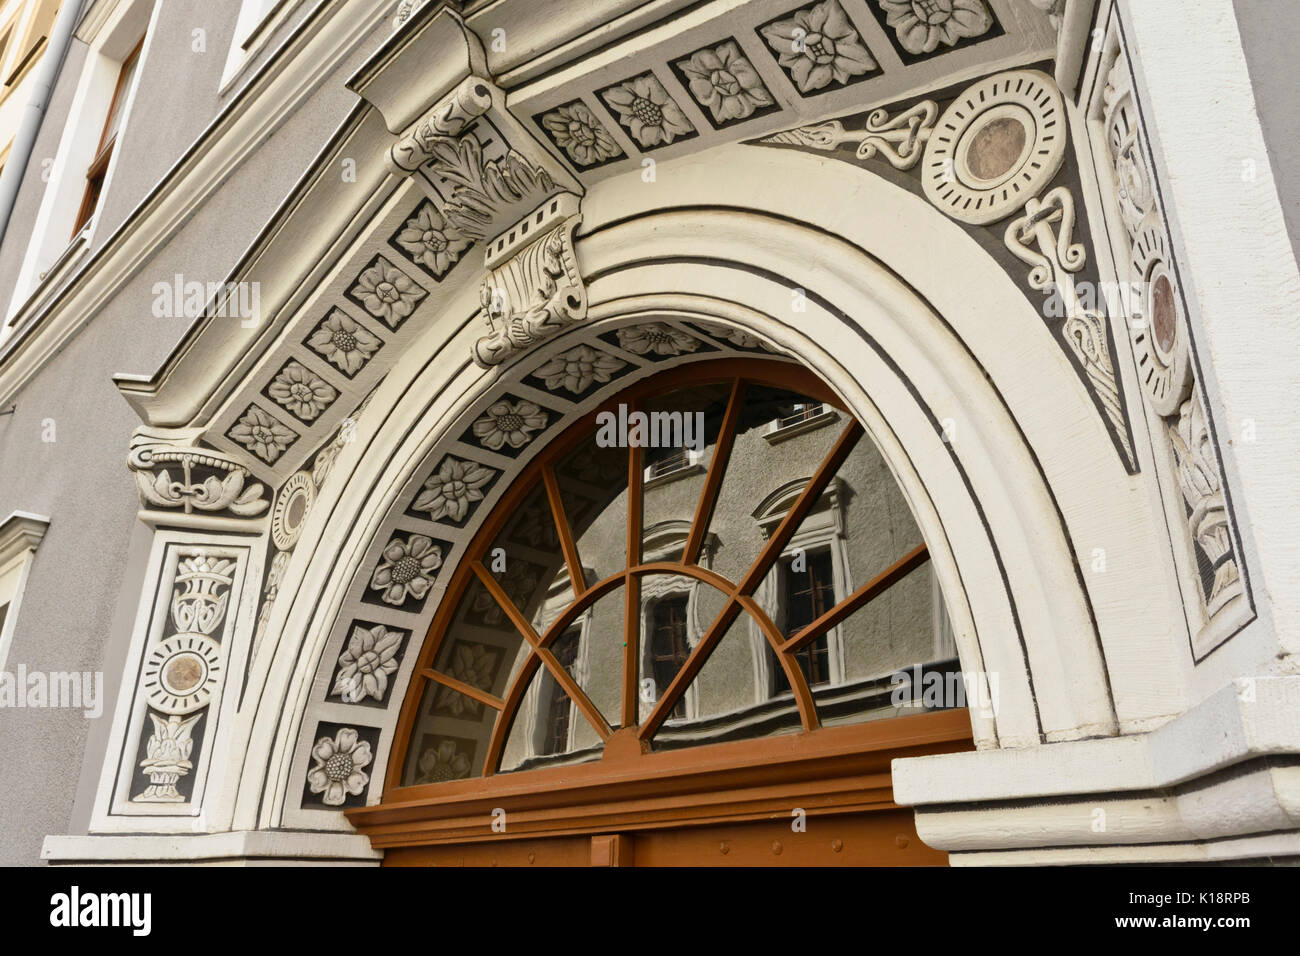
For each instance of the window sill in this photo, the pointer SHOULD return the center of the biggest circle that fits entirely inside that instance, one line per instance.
(820, 420)
(669, 477)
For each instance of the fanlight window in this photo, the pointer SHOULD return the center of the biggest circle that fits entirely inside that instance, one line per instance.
(777, 588)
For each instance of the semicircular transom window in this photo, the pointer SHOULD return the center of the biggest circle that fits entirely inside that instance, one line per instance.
(705, 558)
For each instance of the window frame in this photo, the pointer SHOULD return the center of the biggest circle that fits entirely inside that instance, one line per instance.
(20, 536)
(97, 171)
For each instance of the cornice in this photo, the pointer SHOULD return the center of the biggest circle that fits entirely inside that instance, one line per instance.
(21, 531)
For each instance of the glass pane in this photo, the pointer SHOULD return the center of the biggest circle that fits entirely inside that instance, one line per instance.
(593, 489)
(548, 730)
(525, 558)
(769, 464)
(450, 738)
(595, 640)
(897, 656)
(680, 434)
(675, 612)
(728, 699)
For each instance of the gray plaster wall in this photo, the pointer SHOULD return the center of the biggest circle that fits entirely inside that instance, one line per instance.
(87, 575)
(31, 191)
(1270, 37)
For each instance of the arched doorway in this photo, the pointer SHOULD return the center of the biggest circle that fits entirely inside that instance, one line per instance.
(695, 629)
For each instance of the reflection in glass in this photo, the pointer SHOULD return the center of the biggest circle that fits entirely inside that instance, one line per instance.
(852, 580)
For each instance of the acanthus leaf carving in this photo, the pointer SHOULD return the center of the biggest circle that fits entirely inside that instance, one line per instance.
(1043, 238)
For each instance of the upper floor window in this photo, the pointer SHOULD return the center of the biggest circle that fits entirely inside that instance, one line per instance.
(20, 534)
(19, 53)
(809, 590)
(108, 139)
(668, 645)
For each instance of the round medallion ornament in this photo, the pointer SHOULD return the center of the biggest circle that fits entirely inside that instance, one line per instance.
(1160, 338)
(291, 506)
(180, 673)
(995, 146)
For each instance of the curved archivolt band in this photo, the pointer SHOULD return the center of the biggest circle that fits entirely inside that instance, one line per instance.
(738, 594)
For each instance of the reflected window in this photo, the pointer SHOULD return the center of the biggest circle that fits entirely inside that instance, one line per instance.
(555, 727)
(809, 590)
(668, 646)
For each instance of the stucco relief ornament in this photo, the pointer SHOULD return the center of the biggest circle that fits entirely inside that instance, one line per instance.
(900, 139)
(818, 46)
(1134, 189)
(449, 491)
(1000, 140)
(1198, 478)
(579, 368)
(387, 293)
(583, 138)
(337, 764)
(650, 115)
(261, 434)
(343, 342)
(430, 241)
(366, 663)
(655, 338)
(1043, 238)
(182, 672)
(724, 82)
(167, 758)
(227, 488)
(509, 423)
(922, 25)
(407, 569)
(301, 391)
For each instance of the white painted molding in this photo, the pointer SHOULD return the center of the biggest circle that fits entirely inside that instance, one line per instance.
(21, 531)
(246, 847)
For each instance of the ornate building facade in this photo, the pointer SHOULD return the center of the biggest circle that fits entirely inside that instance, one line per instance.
(653, 432)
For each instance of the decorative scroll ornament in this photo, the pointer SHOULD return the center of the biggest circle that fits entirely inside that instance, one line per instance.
(533, 288)
(1134, 190)
(224, 487)
(1198, 478)
(448, 119)
(1002, 139)
(899, 140)
(1048, 225)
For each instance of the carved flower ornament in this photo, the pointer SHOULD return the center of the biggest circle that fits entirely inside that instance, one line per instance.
(301, 391)
(337, 763)
(577, 131)
(923, 24)
(819, 45)
(450, 490)
(261, 434)
(431, 241)
(509, 423)
(725, 83)
(648, 112)
(366, 662)
(407, 569)
(343, 343)
(655, 338)
(577, 369)
(387, 293)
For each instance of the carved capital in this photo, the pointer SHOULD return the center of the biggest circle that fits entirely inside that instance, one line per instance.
(172, 472)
